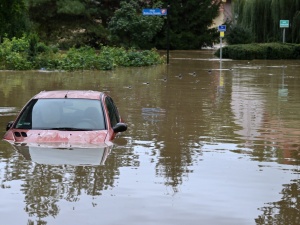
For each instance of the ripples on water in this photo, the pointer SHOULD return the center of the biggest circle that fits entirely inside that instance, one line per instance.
(206, 144)
(8, 111)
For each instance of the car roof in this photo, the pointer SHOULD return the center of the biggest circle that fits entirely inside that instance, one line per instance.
(87, 94)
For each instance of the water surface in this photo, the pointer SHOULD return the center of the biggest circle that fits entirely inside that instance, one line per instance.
(207, 143)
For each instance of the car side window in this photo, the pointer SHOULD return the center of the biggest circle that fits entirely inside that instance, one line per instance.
(25, 120)
(112, 111)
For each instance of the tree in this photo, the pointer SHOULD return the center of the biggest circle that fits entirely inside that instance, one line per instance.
(263, 18)
(13, 18)
(72, 22)
(239, 35)
(96, 22)
(190, 22)
(130, 28)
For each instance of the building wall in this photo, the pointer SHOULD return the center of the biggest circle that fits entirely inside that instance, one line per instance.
(225, 13)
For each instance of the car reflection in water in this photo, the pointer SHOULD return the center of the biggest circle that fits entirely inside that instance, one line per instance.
(54, 174)
(53, 154)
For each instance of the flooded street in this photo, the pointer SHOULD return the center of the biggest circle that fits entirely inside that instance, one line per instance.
(207, 143)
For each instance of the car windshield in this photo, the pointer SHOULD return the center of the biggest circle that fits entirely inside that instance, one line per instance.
(62, 114)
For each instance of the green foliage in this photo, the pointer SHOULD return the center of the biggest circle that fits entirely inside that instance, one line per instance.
(260, 51)
(190, 23)
(28, 53)
(263, 17)
(239, 35)
(296, 28)
(72, 7)
(14, 19)
(133, 57)
(132, 29)
(72, 22)
(108, 58)
(13, 54)
(32, 39)
(48, 60)
(16, 61)
(79, 59)
(76, 23)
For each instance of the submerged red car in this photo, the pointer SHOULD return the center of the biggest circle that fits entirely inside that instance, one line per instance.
(66, 117)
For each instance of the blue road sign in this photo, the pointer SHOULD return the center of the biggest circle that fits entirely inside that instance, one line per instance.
(222, 28)
(155, 12)
(284, 24)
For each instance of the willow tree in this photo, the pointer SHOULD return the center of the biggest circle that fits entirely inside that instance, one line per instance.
(263, 18)
(296, 28)
(254, 15)
(287, 10)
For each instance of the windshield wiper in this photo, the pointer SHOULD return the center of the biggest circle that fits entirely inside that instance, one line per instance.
(68, 129)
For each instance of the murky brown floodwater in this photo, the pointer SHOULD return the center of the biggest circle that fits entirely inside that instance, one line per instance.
(217, 148)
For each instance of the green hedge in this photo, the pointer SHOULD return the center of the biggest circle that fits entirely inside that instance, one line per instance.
(27, 53)
(260, 51)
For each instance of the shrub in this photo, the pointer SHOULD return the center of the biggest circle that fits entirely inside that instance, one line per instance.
(296, 52)
(48, 60)
(41, 48)
(239, 35)
(27, 53)
(136, 58)
(260, 51)
(16, 61)
(79, 59)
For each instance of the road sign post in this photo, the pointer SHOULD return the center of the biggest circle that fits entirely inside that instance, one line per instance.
(284, 24)
(168, 33)
(160, 12)
(221, 29)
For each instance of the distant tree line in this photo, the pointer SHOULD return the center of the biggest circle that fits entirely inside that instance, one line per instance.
(255, 33)
(259, 21)
(76, 23)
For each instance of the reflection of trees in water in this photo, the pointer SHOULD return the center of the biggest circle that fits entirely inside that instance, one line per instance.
(46, 185)
(285, 211)
(174, 166)
(39, 222)
(275, 152)
(191, 114)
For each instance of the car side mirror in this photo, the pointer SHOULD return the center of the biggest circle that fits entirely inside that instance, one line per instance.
(9, 125)
(120, 127)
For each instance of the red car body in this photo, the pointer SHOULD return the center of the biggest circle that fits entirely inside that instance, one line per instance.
(57, 118)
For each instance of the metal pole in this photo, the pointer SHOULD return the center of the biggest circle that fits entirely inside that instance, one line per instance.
(168, 32)
(283, 35)
(221, 49)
